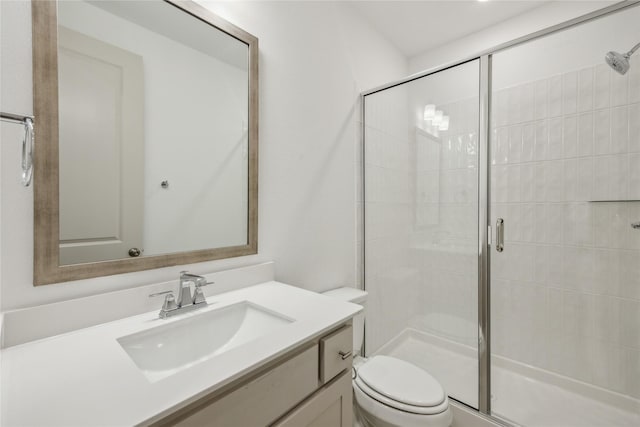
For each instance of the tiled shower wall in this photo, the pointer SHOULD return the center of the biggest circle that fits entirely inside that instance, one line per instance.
(566, 179)
(421, 220)
(444, 240)
(421, 209)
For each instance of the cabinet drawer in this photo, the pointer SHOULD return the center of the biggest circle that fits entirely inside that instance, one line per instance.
(263, 400)
(335, 353)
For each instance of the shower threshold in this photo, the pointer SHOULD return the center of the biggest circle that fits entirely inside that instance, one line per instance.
(552, 400)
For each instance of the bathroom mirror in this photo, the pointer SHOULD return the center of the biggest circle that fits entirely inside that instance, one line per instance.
(147, 137)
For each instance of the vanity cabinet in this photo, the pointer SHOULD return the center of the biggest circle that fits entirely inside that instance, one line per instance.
(308, 386)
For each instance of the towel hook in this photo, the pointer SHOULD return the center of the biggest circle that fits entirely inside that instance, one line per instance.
(27, 144)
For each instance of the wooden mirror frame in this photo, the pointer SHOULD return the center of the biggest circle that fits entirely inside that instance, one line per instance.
(46, 265)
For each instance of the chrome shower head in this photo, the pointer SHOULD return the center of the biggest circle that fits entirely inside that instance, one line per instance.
(619, 61)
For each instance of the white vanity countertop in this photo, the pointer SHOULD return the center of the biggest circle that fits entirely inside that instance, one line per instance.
(85, 377)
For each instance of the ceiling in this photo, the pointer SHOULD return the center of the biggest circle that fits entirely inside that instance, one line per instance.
(427, 24)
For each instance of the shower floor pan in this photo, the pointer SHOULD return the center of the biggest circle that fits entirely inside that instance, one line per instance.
(521, 394)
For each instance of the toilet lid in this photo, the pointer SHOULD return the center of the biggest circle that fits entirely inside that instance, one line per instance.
(401, 382)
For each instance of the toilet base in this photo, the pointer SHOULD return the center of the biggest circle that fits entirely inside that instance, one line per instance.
(370, 413)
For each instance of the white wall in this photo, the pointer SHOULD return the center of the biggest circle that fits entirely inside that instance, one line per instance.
(315, 58)
(537, 19)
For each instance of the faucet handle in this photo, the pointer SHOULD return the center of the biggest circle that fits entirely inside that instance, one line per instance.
(199, 285)
(198, 295)
(157, 294)
(169, 301)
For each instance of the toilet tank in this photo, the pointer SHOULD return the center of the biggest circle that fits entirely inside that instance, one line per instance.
(356, 296)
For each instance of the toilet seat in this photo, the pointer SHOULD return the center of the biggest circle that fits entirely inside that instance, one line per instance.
(401, 386)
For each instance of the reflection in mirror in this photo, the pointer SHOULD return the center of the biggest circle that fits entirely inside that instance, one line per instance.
(148, 137)
(153, 132)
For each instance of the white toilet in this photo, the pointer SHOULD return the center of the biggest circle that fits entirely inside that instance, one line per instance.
(390, 392)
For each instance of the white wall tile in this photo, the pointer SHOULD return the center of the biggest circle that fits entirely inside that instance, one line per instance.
(602, 86)
(501, 102)
(634, 85)
(554, 213)
(585, 134)
(577, 307)
(527, 110)
(629, 270)
(515, 144)
(583, 227)
(555, 138)
(501, 151)
(527, 182)
(601, 177)
(540, 182)
(619, 89)
(555, 181)
(602, 132)
(634, 127)
(619, 170)
(606, 364)
(619, 130)
(570, 92)
(606, 271)
(569, 224)
(541, 97)
(541, 151)
(513, 183)
(528, 142)
(585, 179)
(527, 223)
(585, 89)
(634, 176)
(499, 184)
(570, 167)
(555, 96)
(514, 218)
(570, 137)
(631, 365)
(515, 105)
(629, 322)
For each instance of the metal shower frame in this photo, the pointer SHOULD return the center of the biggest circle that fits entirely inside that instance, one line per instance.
(484, 183)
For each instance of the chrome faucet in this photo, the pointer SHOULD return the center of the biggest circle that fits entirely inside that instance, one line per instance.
(184, 289)
(185, 301)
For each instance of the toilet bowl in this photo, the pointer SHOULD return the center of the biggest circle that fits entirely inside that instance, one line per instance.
(390, 392)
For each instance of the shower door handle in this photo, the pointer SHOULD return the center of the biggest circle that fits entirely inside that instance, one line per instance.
(500, 235)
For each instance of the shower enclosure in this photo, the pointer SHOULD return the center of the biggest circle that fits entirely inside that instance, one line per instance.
(499, 252)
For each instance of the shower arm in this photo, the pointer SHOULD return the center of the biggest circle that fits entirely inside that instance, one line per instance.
(631, 52)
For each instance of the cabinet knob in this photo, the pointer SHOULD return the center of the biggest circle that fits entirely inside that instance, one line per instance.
(134, 252)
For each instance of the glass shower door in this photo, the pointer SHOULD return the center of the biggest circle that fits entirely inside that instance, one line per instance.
(565, 291)
(421, 225)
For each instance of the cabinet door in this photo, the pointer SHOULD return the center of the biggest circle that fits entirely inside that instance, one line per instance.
(330, 406)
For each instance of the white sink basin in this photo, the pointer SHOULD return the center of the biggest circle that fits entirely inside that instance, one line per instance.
(171, 348)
